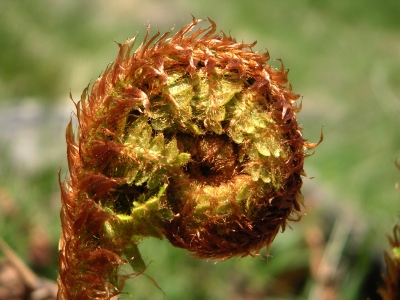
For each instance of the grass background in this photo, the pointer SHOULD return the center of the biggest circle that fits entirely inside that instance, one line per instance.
(344, 59)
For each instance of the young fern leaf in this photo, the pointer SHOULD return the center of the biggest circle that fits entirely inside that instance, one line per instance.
(193, 138)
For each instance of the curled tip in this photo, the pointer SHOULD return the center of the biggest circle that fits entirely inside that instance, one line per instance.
(193, 138)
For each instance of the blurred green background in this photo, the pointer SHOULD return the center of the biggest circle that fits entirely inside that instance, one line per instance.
(344, 59)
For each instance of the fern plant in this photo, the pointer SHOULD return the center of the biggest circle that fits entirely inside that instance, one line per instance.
(191, 137)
